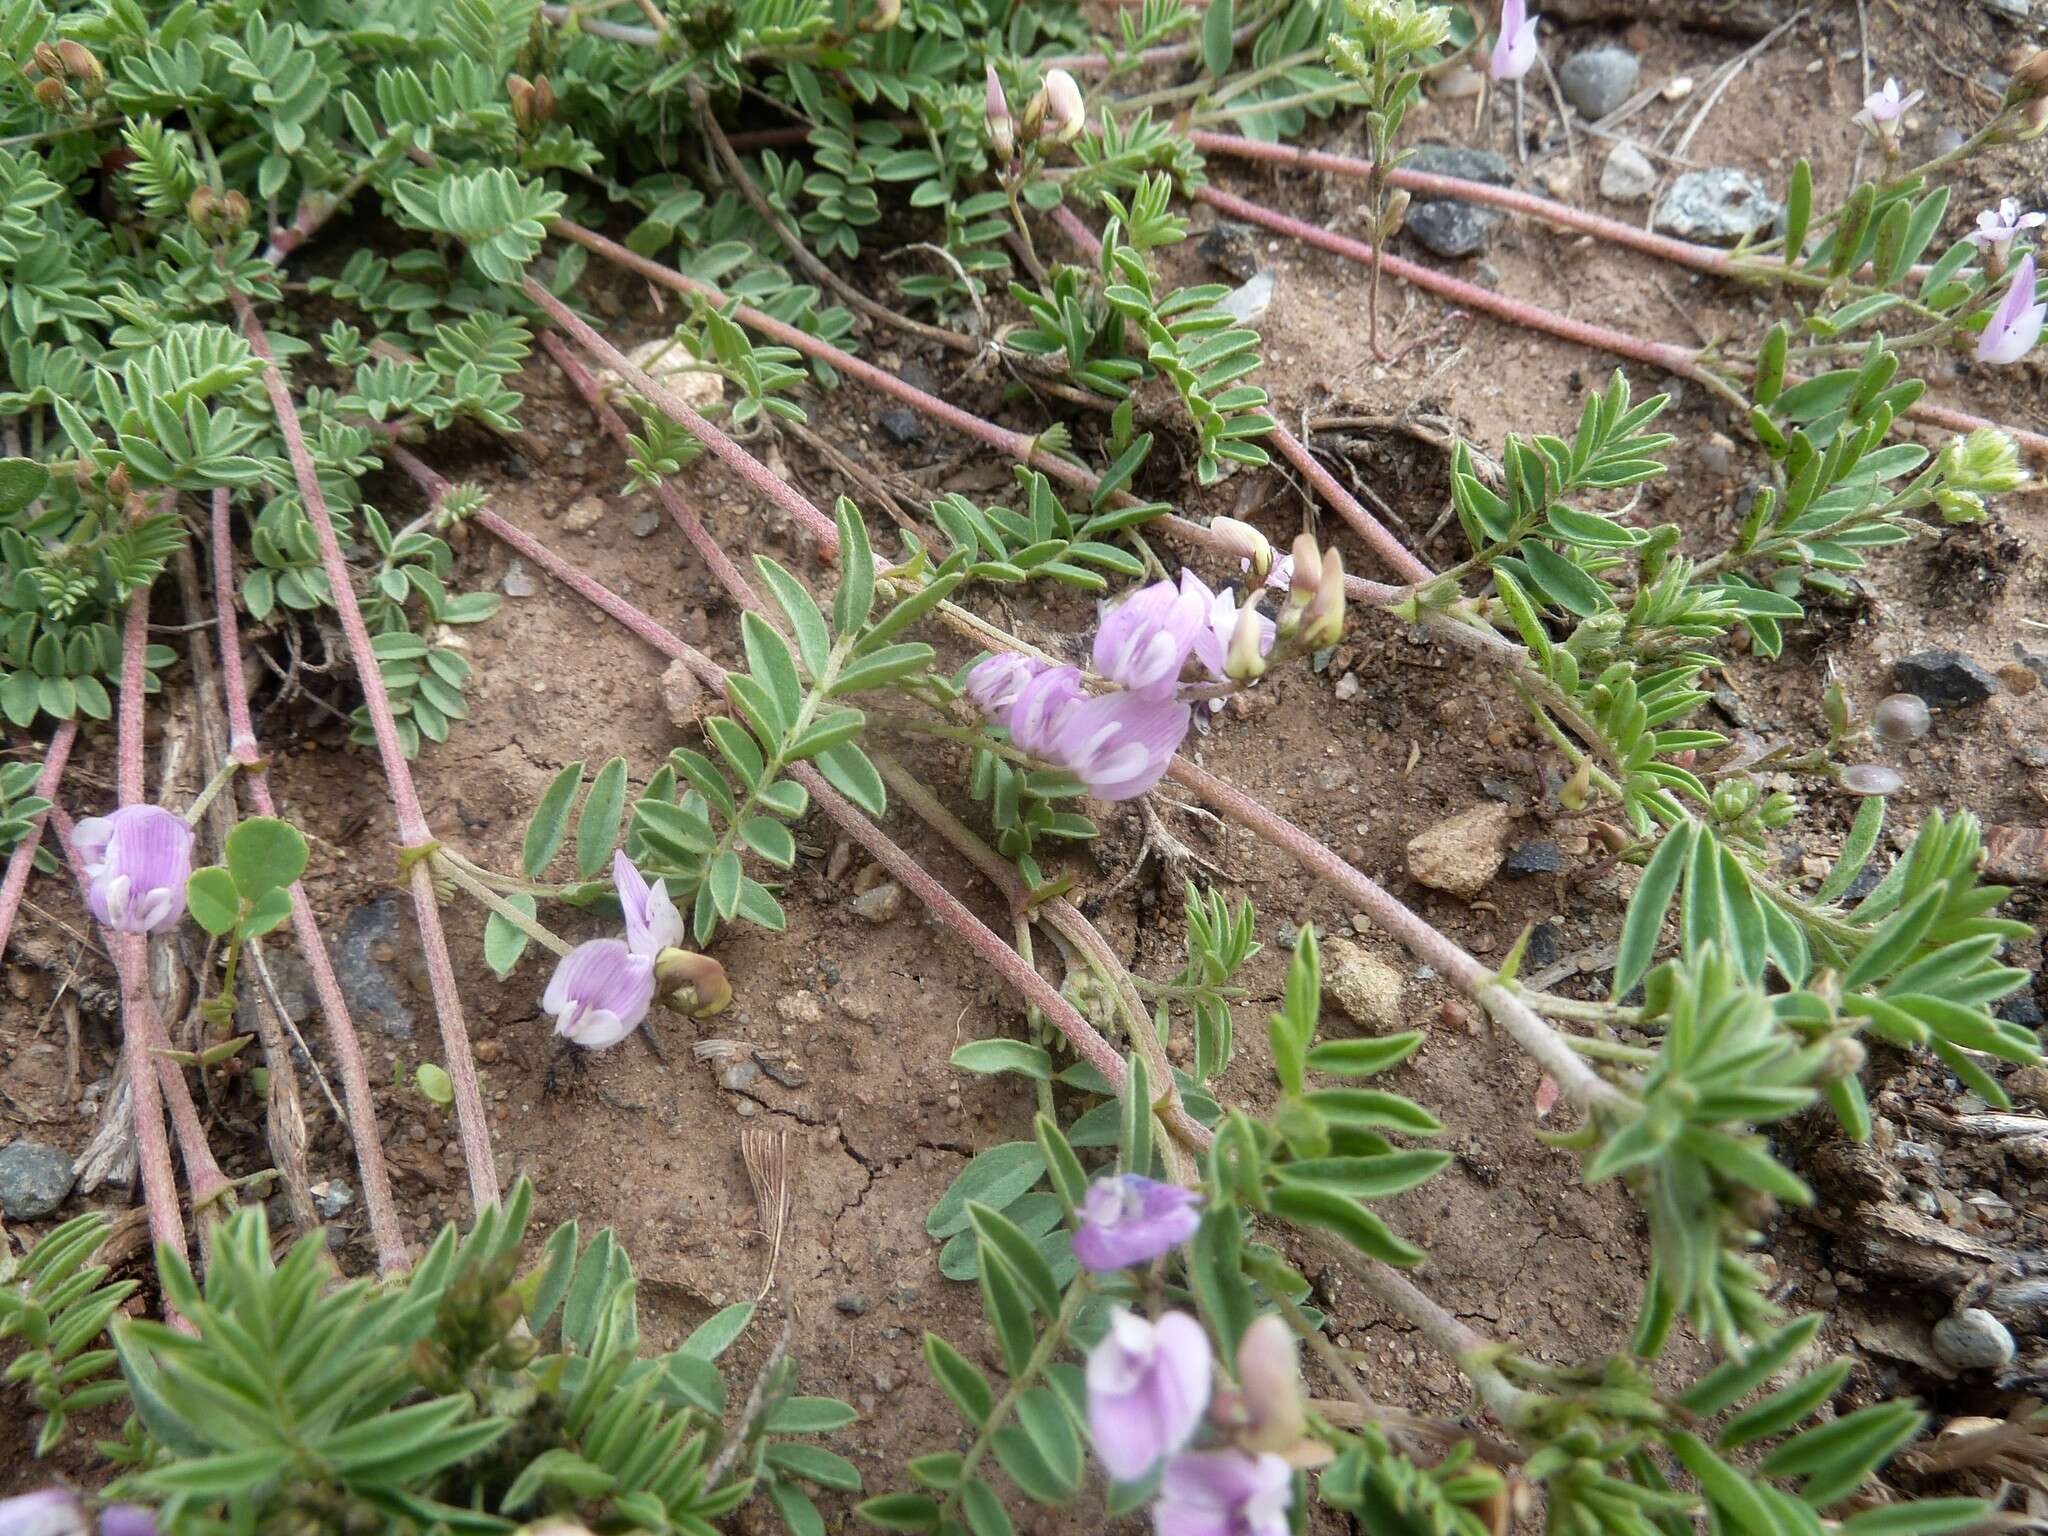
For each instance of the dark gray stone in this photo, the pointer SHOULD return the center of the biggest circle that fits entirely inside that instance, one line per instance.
(1231, 247)
(34, 1179)
(366, 982)
(1597, 80)
(902, 424)
(1543, 947)
(1945, 679)
(294, 981)
(1719, 206)
(1463, 162)
(1452, 228)
(2023, 1009)
(852, 1303)
(1538, 856)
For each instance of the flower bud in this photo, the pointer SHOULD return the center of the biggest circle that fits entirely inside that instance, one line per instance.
(694, 984)
(83, 68)
(1065, 113)
(1323, 624)
(884, 16)
(1845, 1058)
(1576, 793)
(1002, 131)
(46, 58)
(1270, 1374)
(1245, 660)
(533, 101)
(1395, 216)
(1246, 543)
(2030, 81)
(1986, 460)
(49, 93)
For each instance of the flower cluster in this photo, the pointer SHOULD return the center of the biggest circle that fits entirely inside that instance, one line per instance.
(602, 988)
(1883, 112)
(57, 1512)
(1119, 742)
(1055, 114)
(136, 862)
(1152, 1383)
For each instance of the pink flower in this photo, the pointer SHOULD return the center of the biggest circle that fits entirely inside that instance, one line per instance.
(1033, 717)
(1144, 641)
(599, 993)
(1224, 1493)
(1883, 109)
(127, 1520)
(994, 682)
(1002, 131)
(138, 860)
(652, 921)
(1281, 577)
(1515, 53)
(1065, 112)
(46, 1512)
(2016, 325)
(1212, 641)
(1147, 1386)
(1118, 744)
(1998, 227)
(1130, 1219)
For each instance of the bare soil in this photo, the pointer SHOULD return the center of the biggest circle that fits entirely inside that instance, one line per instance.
(851, 1021)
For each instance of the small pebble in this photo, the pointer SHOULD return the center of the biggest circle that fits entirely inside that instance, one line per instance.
(1677, 88)
(646, 523)
(331, 1197)
(518, 580)
(852, 1303)
(584, 514)
(881, 903)
(34, 1179)
(1973, 1340)
(902, 424)
(1902, 718)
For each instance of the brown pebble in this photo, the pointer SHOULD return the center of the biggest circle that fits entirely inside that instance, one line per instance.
(2014, 678)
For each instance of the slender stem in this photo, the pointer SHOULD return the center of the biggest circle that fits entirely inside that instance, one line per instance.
(1047, 1345)
(222, 777)
(457, 870)
(22, 860)
(381, 1208)
(128, 708)
(730, 453)
(1398, 557)
(1683, 361)
(412, 822)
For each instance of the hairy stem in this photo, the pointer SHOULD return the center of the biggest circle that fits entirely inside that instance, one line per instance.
(22, 860)
(412, 822)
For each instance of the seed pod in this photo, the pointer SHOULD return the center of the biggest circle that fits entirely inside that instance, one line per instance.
(83, 68)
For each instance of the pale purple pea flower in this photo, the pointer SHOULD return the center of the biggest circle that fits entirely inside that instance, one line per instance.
(1883, 109)
(652, 921)
(46, 1512)
(2016, 324)
(1212, 641)
(1224, 1493)
(1515, 53)
(1281, 577)
(1144, 641)
(127, 1520)
(600, 992)
(994, 682)
(1118, 744)
(1998, 227)
(1034, 716)
(1128, 1219)
(1147, 1386)
(137, 860)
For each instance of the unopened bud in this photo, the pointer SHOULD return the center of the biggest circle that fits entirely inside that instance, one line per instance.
(119, 482)
(1305, 574)
(1396, 214)
(1323, 624)
(1245, 542)
(1065, 113)
(217, 215)
(47, 59)
(1002, 131)
(2030, 81)
(1576, 793)
(2033, 122)
(694, 984)
(533, 101)
(1246, 657)
(49, 94)
(1845, 1058)
(884, 16)
(1270, 1374)
(83, 68)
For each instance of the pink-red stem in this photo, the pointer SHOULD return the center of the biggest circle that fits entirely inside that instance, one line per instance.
(413, 832)
(1398, 557)
(23, 859)
(348, 1046)
(1682, 361)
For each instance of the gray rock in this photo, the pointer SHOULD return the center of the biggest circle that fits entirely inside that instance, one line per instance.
(518, 579)
(1628, 176)
(1945, 679)
(1720, 206)
(852, 1303)
(1544, 947)
(294, 982)
(369, 939)
(1538, 856)
(1597, 80)
(1231, 247)
(1247, 304)
(34, 1179)
(880, 903)
(331, 1197)
(902, 424)
(1453, 229)
(1451, 226)
(1973, 1340)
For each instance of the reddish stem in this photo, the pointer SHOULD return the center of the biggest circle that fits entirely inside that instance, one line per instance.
(348, 1046)
(1017, 445)
(1399, 559)
(128, 708)
(730, 453)
(413, 832)
(22, 860)
(1683, 361)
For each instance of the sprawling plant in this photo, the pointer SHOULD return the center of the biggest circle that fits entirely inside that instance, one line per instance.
(161, 163)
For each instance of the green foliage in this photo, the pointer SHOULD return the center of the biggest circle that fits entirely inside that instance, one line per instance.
(19, 807)
(468, 1395)
(57, 1303)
